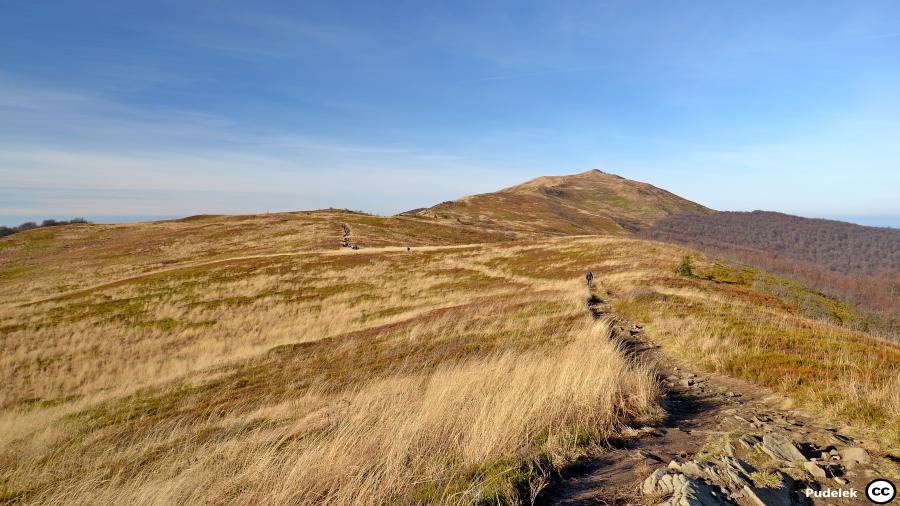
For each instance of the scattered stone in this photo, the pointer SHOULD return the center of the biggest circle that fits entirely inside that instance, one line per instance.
(686, 382)
(853, 456)
(780, 447)
(749, 441)
(651, 483)
(776, 496)
(840, 480)
(674, 466)
(684, 491)
(690, 492)
(815, 470)
(692, 469)
(839, 439)
(734, 473)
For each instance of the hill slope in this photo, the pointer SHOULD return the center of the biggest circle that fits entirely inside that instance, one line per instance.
(857, 263)
(269, 365)
(591, 202)
(839, 246)
(62, 259)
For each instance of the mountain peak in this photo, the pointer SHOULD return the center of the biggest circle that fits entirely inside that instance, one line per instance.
(590, 202)
(586, 177)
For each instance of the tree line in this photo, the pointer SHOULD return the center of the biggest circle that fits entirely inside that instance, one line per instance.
(29, 225)
(858, 264)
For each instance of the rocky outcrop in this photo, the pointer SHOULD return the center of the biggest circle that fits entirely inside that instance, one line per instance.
(681, 490)
(726, 480)
(780, 447)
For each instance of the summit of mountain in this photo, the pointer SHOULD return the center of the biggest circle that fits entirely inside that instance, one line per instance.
(586, 203)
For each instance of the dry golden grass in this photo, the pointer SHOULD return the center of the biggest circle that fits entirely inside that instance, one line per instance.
(439, 375)
(456, 433)
(727, 327)
(452, 373)
(56, 260)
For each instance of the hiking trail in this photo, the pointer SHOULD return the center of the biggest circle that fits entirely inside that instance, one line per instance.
(724, 442)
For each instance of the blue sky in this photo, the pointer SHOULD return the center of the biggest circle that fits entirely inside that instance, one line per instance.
(123, 110)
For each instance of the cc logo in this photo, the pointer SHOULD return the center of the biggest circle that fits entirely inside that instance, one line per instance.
(881, 491)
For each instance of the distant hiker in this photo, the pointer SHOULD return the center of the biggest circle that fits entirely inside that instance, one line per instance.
(346, 238)
(590, 279)
(407, 248)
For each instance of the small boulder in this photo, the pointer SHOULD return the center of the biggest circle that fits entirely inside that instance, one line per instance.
(692, 469)
(651, 483)
(690, 492)
(749, 441)
(815, 470)
(853, 456)
(768, 496)
(780, 447)
(778, 495)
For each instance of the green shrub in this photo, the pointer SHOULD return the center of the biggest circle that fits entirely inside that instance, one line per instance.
(686, 267)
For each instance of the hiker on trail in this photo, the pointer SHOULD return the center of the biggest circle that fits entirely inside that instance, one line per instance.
(590, 279)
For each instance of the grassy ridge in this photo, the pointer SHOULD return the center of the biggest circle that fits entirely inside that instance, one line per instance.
(454, 374)
(772, 331)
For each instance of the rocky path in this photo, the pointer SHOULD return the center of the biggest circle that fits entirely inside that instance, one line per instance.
(724, 442)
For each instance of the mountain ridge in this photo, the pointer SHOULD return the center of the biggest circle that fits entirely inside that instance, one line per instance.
(588, 202)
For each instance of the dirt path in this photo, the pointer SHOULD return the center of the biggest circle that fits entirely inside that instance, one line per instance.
(725, 441)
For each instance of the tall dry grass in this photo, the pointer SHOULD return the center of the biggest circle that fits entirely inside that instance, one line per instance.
(482, 380)
(845, 375)
(458, 434)
(444, 375)
(424, 433)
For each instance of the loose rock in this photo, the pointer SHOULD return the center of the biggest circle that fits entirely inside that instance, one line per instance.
(780, 447)
(815, 470)
(853, 456)
(749, 441)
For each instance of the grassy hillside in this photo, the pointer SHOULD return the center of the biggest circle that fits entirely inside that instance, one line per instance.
(591, 202)
(859, 264)
(250, 359)
(47, 262)
(454, 373)
(370, 375)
